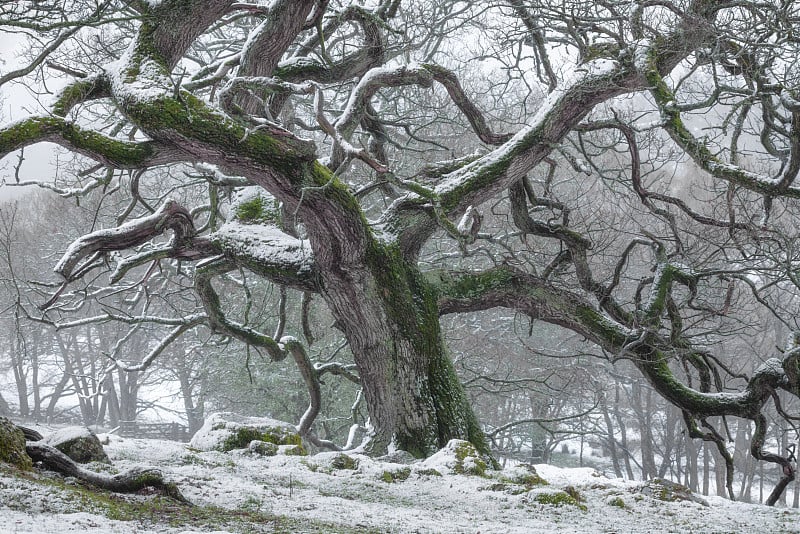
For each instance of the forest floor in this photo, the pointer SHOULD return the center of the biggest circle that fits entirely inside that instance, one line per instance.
(238, 492)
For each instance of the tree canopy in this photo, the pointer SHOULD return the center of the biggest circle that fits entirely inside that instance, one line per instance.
(622, 170)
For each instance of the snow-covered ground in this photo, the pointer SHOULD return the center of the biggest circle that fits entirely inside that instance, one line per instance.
(241, 492)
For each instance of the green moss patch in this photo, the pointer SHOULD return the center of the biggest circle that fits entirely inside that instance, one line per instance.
(257, 208)
(292, 450)
(468, 461)
(263, 448)
(12, 445)
(617, 502)
(398, 475)
(558, 498)
(242, 436)
(343, 461)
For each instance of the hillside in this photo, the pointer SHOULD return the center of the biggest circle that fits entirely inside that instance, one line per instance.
(240, 492)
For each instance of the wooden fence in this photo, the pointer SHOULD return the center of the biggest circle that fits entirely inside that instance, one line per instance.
(171, 431)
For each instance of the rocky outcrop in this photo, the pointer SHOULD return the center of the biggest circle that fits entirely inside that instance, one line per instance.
(226, 431)
(79, 443)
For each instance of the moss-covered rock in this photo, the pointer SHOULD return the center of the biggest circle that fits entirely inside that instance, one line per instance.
(666, 490)
(524, 475)
(292, 450)
(395, 475)
(327, 462)
(557, 498)
(12, 445)
(343, 461)
(227, 431)
(518, 479)
(262, 448)
(460, 457)
(79, 443)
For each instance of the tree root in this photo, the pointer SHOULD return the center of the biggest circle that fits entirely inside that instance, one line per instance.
(130, 481)
(30, 434)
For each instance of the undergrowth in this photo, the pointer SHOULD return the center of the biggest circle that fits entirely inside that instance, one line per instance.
(152, 510)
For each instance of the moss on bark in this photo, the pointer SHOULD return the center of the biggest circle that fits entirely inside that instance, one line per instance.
(122, 154)
(411, 303)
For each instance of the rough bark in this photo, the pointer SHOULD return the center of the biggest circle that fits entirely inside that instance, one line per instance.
(130, 481)
(369, 278)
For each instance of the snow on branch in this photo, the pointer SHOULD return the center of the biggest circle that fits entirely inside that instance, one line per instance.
(269, 40)
(88, 88)
(373, 80)
(476, 119)
(704, 158)
(559, 113)
(67, 33)
(269, 252)
(371, 54)
(170, 216)
(191, 319)
(264, 84)
(148, 360)
(369, 84)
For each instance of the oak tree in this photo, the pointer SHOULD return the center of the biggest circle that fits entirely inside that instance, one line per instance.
(343, 126)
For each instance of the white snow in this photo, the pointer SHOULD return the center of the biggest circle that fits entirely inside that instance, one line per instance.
(144, 82)
(265, 244)
(592, 69)
(465, 224)
(69, 433)
(305, 491)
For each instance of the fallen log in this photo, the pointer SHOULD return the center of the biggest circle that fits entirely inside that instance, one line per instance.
(130, 481)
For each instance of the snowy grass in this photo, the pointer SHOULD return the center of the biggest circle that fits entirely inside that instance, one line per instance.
(240, 492)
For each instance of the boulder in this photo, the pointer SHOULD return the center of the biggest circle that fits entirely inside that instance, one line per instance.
(292, 450)
(331, 461)
(79, 443)
(459, 457)
(666, 490)
(12, 445)
(225, 431)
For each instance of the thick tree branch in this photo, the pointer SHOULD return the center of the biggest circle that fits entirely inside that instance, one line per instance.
(171, 26)
(476, 119)
(268, 252)
(170, 216)
(109, 151)
(510, 288)
(268, 42)
(371, 54)
(88, 88)
(700, 153)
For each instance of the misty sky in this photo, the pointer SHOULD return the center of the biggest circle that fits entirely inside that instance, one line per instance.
(17, 102)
